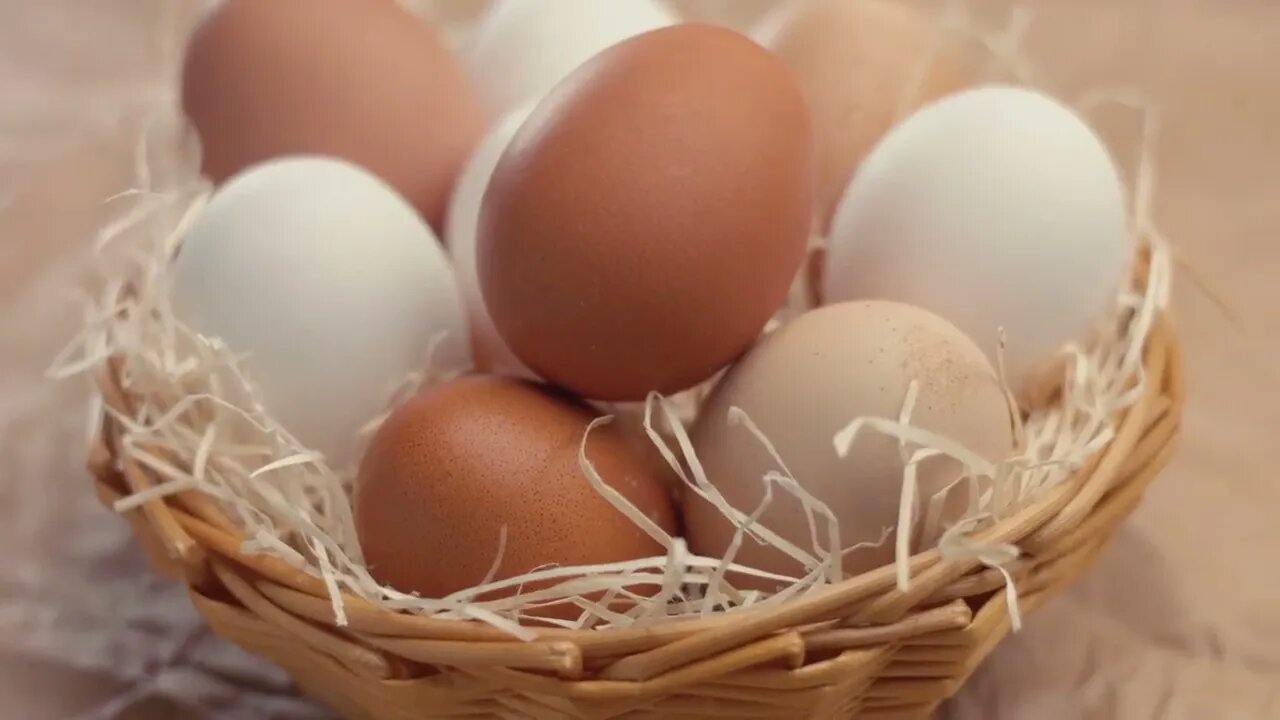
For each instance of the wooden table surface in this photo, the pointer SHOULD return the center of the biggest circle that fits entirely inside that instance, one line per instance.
(1181, 619)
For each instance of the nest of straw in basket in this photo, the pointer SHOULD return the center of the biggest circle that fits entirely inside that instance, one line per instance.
(184, 410)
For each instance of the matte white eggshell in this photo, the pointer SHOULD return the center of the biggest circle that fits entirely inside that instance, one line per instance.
(492, 353)
(994, 207)
(329, 283)
(522, 48)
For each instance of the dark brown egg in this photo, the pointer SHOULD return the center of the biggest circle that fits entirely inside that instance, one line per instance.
(454, 466)
(363, 81)
(648, 218)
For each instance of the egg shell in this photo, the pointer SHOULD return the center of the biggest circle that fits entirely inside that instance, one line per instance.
(995, 207)
(805, 383)
(455, 465)
(649, 216)
(364, 81)
(329, 283)
(862, 66)
(491, 352)
(522, 48)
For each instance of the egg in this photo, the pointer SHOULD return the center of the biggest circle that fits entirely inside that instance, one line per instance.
(455, 466)
(522, 48)
(996, 208)
(648, 218)
(329, 284)
(861, 65)
(491, 352)
(806, 382)
(364, 81)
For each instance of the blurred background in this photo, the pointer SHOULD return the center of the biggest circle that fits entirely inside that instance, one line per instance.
(1179, 620)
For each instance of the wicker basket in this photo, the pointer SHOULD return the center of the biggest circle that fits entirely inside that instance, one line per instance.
(860, 648)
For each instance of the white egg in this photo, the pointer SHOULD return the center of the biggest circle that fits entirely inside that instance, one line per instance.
(491, 351)
(994, 208)
(332, 287)
(522, 48)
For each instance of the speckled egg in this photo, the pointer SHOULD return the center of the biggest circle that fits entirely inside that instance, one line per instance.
(806, 382)
(455, 465)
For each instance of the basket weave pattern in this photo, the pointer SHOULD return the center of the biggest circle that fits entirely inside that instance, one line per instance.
(860, 648)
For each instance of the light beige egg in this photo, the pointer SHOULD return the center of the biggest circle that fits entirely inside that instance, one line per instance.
(806, 382)
(862, 65)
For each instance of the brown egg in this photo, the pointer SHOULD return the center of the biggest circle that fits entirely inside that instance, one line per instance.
(805, 383)
(363, 81)
(647, 219)
(453, 466)
(861, 65)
